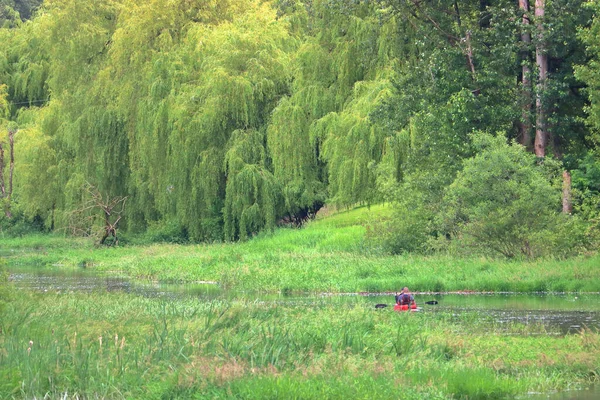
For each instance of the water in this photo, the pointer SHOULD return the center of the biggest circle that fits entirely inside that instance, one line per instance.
(592, 393)
(560, 313)
(82, 281)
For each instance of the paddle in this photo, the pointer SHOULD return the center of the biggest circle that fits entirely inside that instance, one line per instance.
(430, 302)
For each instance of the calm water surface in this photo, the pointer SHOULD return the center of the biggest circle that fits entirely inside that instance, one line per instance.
(592, 393)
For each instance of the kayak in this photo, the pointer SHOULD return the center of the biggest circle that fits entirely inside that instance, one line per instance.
(405, 307)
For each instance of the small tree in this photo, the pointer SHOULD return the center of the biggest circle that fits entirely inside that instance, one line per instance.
(82, 220)
(502, 201)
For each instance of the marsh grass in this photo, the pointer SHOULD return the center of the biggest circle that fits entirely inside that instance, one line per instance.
(329, 254)
(122, 346)
(115, 345)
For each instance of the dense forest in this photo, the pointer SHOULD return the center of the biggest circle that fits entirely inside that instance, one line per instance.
(210, 120)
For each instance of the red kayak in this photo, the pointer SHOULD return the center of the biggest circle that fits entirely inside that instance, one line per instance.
(405, 307)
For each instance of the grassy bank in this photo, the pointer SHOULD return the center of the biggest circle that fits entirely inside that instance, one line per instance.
(329, 254)
(122, 346)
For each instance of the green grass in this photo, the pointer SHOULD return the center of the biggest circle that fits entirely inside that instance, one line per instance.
(329, 254)
(102, 345)
(122, 346)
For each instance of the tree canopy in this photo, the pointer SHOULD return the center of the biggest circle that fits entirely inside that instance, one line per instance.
(224, 118)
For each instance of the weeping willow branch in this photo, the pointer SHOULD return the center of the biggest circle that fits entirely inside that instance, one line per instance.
(5, 194)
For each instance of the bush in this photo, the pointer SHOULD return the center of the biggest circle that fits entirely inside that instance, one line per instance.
(19, 225)
(166, 232)
(503, 202)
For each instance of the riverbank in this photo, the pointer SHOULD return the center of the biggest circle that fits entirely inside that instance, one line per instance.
(331, 254)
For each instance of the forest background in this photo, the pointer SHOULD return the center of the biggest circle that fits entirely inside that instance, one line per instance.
(191, 121)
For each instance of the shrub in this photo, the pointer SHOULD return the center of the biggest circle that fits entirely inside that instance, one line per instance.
(166, 232)
(503, 202)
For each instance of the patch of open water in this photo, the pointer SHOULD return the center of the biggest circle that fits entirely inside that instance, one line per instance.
(592, 393)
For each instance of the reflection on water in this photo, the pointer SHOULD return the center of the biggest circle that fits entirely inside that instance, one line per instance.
(46, 281)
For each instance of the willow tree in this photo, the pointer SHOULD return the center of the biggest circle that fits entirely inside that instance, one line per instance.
(251, 193)
(138, 78)
(353, 145)
(146, 96)
(24, 65)
(316, 132)
(230, 78)
(81, 126)
(37, 184)
(184, 77)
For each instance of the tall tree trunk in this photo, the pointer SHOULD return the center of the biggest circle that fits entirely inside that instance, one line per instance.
(469, 50)
(470, 55)
(525, 124)
(567, 204)
(541, 136)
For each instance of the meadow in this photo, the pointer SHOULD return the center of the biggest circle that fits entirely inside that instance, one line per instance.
(77, 345)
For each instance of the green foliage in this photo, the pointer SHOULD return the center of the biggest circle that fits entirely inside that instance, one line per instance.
(586, 194)
(224, 117)
(503, 202)
(250, 201)
(14, 11)
(4, 106)
(428, 153)
(8, 15)
(37, 171)
(20, 224)
(165, 232)
(589, 72)
(586, 186)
